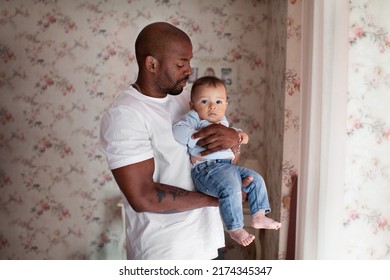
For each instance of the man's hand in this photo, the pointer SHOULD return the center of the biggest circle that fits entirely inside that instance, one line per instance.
(216, 137)
(245, 182)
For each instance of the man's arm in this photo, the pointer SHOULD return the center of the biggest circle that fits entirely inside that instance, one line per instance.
(145, 195)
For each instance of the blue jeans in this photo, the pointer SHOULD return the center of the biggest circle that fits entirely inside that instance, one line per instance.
(221, 178)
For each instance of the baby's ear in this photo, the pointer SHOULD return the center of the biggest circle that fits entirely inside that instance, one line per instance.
(191, 105)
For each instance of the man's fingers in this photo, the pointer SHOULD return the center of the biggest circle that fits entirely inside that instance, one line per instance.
(206, 142)
(246, 181)
(210, 150)
(204, 132)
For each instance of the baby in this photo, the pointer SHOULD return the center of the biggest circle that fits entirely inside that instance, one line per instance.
(216, 174)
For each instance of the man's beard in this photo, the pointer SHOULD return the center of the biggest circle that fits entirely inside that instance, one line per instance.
(177, 88)
(175, 91)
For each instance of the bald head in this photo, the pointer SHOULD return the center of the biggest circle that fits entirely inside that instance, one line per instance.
(155, 39)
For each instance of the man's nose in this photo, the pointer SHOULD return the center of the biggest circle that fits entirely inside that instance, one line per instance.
(188, 71)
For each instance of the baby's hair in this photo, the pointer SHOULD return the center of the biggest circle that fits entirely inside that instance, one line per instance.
(206, 81)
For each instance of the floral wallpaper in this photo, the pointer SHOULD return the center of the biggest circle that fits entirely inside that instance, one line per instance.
(292, 111)
(273, 123)
(367, 194)
(63, 62)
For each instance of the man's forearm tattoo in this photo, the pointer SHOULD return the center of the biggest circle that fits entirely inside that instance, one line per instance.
(162, 193)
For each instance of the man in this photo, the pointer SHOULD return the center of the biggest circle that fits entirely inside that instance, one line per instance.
(165, 217)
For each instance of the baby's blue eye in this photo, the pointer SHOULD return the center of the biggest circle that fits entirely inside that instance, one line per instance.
(204, 102)
(219, 102)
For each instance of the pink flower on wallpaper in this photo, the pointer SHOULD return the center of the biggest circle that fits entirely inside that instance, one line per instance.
(359, 32)
(293, 82)
(61, 19)
(59, 145)
(353, 124)
(174, 21)
(5, 116)
(31, 116)
(43, 145)
(42, 207)
(71, 25)
(291, 120)
(365, 26)
(297, 84)
(63, 213)
(216, 11)
(102, 240)
(382, 222)
(130, 59)
(356, 123)
(386, 133)
(29, 178)
(62, 84)
(126, 56)
(5, 180)
(376, 126)
(234, 118)
(88, 214)
(372, 217)
(55, 238)
(257, 61)
(293, 29)
(196, 28)
(46, 81)
(28, 243)
(92, 7)
(352, 214)
(69, 88)
(6, 54)
(233, 56)
(95, 25)
(107, 53)
(3, 241)
(47, 20)
(254, 125)
(65, 150)
(104, 178)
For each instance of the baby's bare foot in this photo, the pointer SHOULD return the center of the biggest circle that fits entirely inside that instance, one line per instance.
(260, 220)
(241, 236)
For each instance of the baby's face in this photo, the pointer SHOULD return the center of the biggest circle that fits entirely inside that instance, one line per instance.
(210, 103)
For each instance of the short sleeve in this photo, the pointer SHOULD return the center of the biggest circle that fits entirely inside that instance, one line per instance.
(124, 137)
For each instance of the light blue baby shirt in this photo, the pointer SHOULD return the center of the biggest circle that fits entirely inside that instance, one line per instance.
(188, 125)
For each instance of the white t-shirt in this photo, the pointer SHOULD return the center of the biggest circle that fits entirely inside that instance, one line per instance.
(135, 128)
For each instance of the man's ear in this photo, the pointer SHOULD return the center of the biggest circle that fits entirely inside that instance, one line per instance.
(151, 63)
